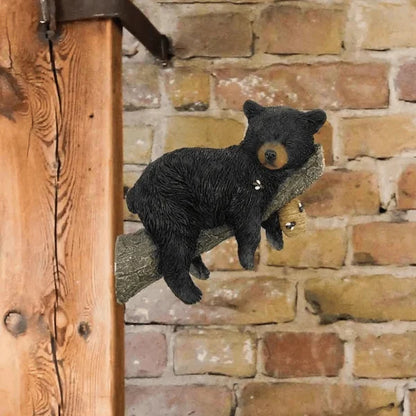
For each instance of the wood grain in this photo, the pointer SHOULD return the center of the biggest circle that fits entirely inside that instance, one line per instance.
(61, 344)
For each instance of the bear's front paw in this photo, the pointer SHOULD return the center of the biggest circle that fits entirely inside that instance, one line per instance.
(246, 260)
(275, 238)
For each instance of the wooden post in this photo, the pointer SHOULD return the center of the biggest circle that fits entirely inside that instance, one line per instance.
(61, 332)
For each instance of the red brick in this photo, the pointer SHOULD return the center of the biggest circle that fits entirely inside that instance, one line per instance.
(228, 300)
(331, 86)
(292, 29)
(385, 243)
(140, 86)
(299, 399)
(379, 137)
(178, 401)
(294, 354)
(343, 193)
(406, 81)
(406, 196)
(145, 354)
(377, 298)
(314, 248)
(214, 35)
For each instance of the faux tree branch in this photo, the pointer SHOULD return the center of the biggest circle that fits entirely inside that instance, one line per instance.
(135, 254)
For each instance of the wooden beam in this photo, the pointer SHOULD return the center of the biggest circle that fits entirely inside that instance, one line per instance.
(61, 335)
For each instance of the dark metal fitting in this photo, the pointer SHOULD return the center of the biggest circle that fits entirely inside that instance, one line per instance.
(123, 11)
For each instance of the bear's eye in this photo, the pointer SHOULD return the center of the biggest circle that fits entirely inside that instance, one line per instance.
(272, 155)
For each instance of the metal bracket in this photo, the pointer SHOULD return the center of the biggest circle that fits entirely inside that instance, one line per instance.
(124, 11)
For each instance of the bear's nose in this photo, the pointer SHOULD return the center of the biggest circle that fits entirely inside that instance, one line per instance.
(270, 155)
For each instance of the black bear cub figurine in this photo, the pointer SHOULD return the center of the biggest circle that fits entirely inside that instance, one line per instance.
(191, 189)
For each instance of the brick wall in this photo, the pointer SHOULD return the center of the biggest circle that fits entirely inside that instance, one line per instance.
(328, 325)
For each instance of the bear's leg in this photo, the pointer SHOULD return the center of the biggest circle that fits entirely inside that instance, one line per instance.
(198, 268)
(273, 231)
(247, 234)
(175, 258)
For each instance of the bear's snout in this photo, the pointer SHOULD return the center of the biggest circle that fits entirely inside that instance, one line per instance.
(270, 155)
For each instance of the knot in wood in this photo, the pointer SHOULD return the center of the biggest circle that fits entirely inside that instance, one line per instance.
(61, 319)
(15, 323)
(84, 329)
(11, 96)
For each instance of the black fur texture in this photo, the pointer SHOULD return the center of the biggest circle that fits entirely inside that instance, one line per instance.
(191, 189)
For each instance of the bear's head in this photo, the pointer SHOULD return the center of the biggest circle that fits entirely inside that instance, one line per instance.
(281, 137)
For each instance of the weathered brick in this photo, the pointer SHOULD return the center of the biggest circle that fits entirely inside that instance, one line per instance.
(203, 132)
(378, 137)
(405, 81)
(412, 402)
(331, 86)
(406, 196)
(214, 35)
(188, 89)
(230, 300)
(140, 86)
(343, 193)
(386, 356)
(314, 248)
(376, 298)
(131, 45)
(225, 257)
(388, 411)
(298, 399)
(178, 400)
(129, 179)
(291, 354)
(131, 227)
(215, 351)
(324, 138)
(384, 243)
(137, 144)
(293, 30)
(211, 1)
(145, 354)
(385, 25)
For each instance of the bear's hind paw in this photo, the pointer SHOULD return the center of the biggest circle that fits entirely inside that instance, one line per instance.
(191, 295)
(198, 269)
(188, 293)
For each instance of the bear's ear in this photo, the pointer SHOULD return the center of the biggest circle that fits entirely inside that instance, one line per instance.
(315, 119)
(251, 109)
